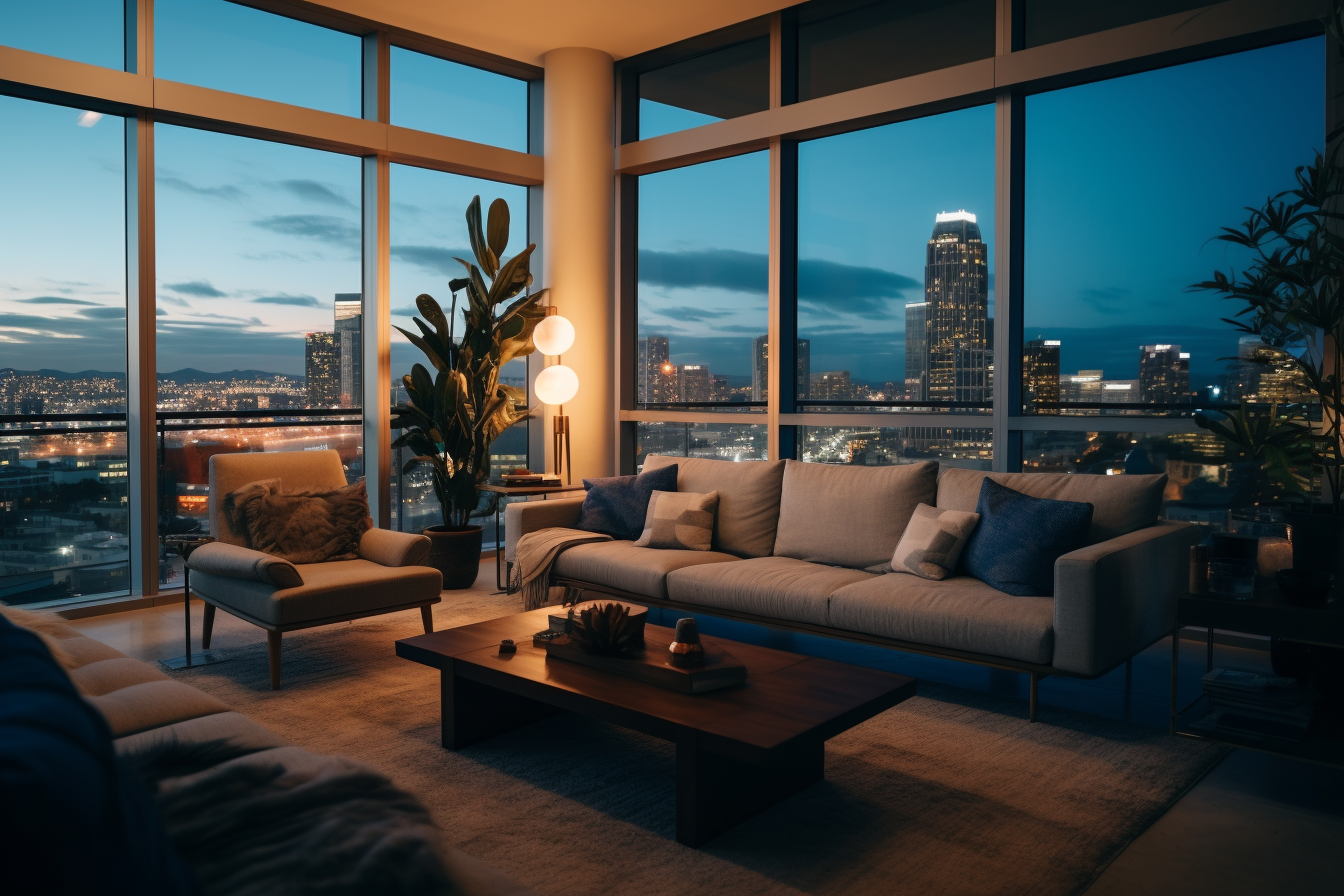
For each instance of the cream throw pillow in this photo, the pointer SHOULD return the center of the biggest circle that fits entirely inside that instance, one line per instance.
(932, 542)
(683, 520)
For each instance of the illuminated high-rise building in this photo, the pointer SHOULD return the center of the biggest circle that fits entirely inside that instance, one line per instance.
(349, 330)
(917, 351)
(956, 289)
(831, 385)
(655, 377)
(694, 383)
(760, 367)
(322, 367)
(1040, 372)
(804, 368)
(1164, 374)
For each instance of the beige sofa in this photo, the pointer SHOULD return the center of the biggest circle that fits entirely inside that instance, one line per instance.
(807, 547)
(148, 711)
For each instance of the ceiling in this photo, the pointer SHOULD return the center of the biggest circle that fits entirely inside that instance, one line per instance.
(526, 29)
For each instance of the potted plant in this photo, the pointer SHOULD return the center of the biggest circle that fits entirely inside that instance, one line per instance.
(453, 415)
(1292, 293)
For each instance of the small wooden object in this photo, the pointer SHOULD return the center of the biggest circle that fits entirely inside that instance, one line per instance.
(653, 664)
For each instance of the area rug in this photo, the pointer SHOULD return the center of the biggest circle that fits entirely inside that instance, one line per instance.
(951, 792)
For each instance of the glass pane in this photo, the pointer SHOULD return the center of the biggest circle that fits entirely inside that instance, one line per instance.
(718, 441)
(442, 97)
(1047, 21)
(895, 273)
(429, 232)
(92, 31)
(259, 305)
(703, 277)
(64, 516)
(1127, 182)
(884, 446)
(213, 43)
(855, 43)
(725, 83)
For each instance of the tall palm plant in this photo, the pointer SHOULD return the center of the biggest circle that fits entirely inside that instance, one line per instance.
(453, 415)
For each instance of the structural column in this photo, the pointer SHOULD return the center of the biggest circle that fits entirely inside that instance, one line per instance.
(577, 234)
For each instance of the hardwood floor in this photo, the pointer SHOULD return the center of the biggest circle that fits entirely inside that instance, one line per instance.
(1257, 824)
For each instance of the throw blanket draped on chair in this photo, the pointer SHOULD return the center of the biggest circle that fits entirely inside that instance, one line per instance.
(536, 555)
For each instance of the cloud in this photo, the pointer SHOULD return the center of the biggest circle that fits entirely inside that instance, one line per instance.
(1106, 299)
(326, 228)
(296, 301)
(54, 300)
(316, 191)
(687, 312)
(227, 191)
(159, 312)
(861, 289)
(104, 313)
(202, 288)
(433, 258)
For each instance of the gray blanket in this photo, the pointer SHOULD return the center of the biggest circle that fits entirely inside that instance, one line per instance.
(535, 555)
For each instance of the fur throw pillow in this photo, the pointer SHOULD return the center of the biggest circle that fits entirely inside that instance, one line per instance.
(308, 526)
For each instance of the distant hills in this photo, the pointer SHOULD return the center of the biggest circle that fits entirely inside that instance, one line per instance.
(185, 375)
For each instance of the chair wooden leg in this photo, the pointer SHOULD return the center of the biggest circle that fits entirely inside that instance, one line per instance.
(207, 626)
(273, 654)
(427, 617)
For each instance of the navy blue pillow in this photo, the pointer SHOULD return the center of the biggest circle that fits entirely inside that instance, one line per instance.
(74, 819)
(617, 505)
(1019, 538)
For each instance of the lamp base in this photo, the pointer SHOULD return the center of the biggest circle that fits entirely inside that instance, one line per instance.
(560, 445)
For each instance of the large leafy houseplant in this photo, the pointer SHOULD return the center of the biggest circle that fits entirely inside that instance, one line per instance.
(454, 414)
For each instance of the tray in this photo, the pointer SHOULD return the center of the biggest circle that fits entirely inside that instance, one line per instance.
(651, 665)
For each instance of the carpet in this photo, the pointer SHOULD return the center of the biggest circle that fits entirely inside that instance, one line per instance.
(950, 792)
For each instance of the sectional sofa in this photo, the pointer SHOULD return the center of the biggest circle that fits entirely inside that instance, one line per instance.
(807, 547)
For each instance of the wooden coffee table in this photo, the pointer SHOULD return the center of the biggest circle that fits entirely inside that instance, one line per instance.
(739, 750)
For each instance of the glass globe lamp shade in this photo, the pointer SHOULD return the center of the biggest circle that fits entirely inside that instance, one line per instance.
(557, 384)
(553, 335)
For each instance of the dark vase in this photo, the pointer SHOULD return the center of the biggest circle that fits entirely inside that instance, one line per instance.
(1318, 541)
(456, 553)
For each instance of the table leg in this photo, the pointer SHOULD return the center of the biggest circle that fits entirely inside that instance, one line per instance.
(716, 792)
(499, 551)
(1175, 672)
(186, 606)
(1209, 662)
(473, 711)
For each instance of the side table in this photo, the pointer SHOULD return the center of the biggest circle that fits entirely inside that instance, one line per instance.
(516, 491)
(184, 545)
(1266, 614)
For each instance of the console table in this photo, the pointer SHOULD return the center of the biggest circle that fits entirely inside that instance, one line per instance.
(516, 491)
(1266, 614)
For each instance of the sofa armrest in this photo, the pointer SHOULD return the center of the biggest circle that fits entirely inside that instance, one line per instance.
(388, 548)
(522, 517)
(234, 562)
(1114, 598)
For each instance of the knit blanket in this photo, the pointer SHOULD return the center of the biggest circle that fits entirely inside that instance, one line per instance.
(536, 554)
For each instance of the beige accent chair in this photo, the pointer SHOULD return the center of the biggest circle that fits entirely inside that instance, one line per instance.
(280, 596)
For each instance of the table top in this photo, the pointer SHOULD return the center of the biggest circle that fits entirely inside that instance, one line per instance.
(1267, 613)
(785, 696)
(524, 490)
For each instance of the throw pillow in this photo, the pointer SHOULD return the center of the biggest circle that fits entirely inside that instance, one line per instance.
(617, 505)
(683, 520)
(307, 526)
(932, 542)
(1020, 538)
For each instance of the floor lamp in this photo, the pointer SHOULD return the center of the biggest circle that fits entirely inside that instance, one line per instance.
(557, 384)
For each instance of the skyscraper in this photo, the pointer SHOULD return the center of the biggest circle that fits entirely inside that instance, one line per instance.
(651, 380)
(694, 383)
(1040, 372)
(760, 367)
(804, 368)
(916, 351)
(1164, 374)
(322, 369)
(831, 385)
(956, 288)
(349, 327)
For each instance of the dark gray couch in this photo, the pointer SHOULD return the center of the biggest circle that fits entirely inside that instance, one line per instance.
(808, 547)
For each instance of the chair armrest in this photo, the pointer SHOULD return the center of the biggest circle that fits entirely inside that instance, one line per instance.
(523, 517)
(1114, 598)
(388, 548)
(234, 562)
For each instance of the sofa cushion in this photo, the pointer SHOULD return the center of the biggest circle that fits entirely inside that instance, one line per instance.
(312, 525)
(1020, 537)
(338, 588)
(847, 515)
(933, 541)
(775, 587)
(748, 498)
(150, 704)
(106, 676)
(618, 505)
(960, 613)
(621, 565)
(1121, 504)
(237, 730)
(679, 520)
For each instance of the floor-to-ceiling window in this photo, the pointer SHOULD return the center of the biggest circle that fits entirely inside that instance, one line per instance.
(64, 510)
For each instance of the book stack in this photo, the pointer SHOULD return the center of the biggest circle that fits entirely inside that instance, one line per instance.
(1250, 704)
